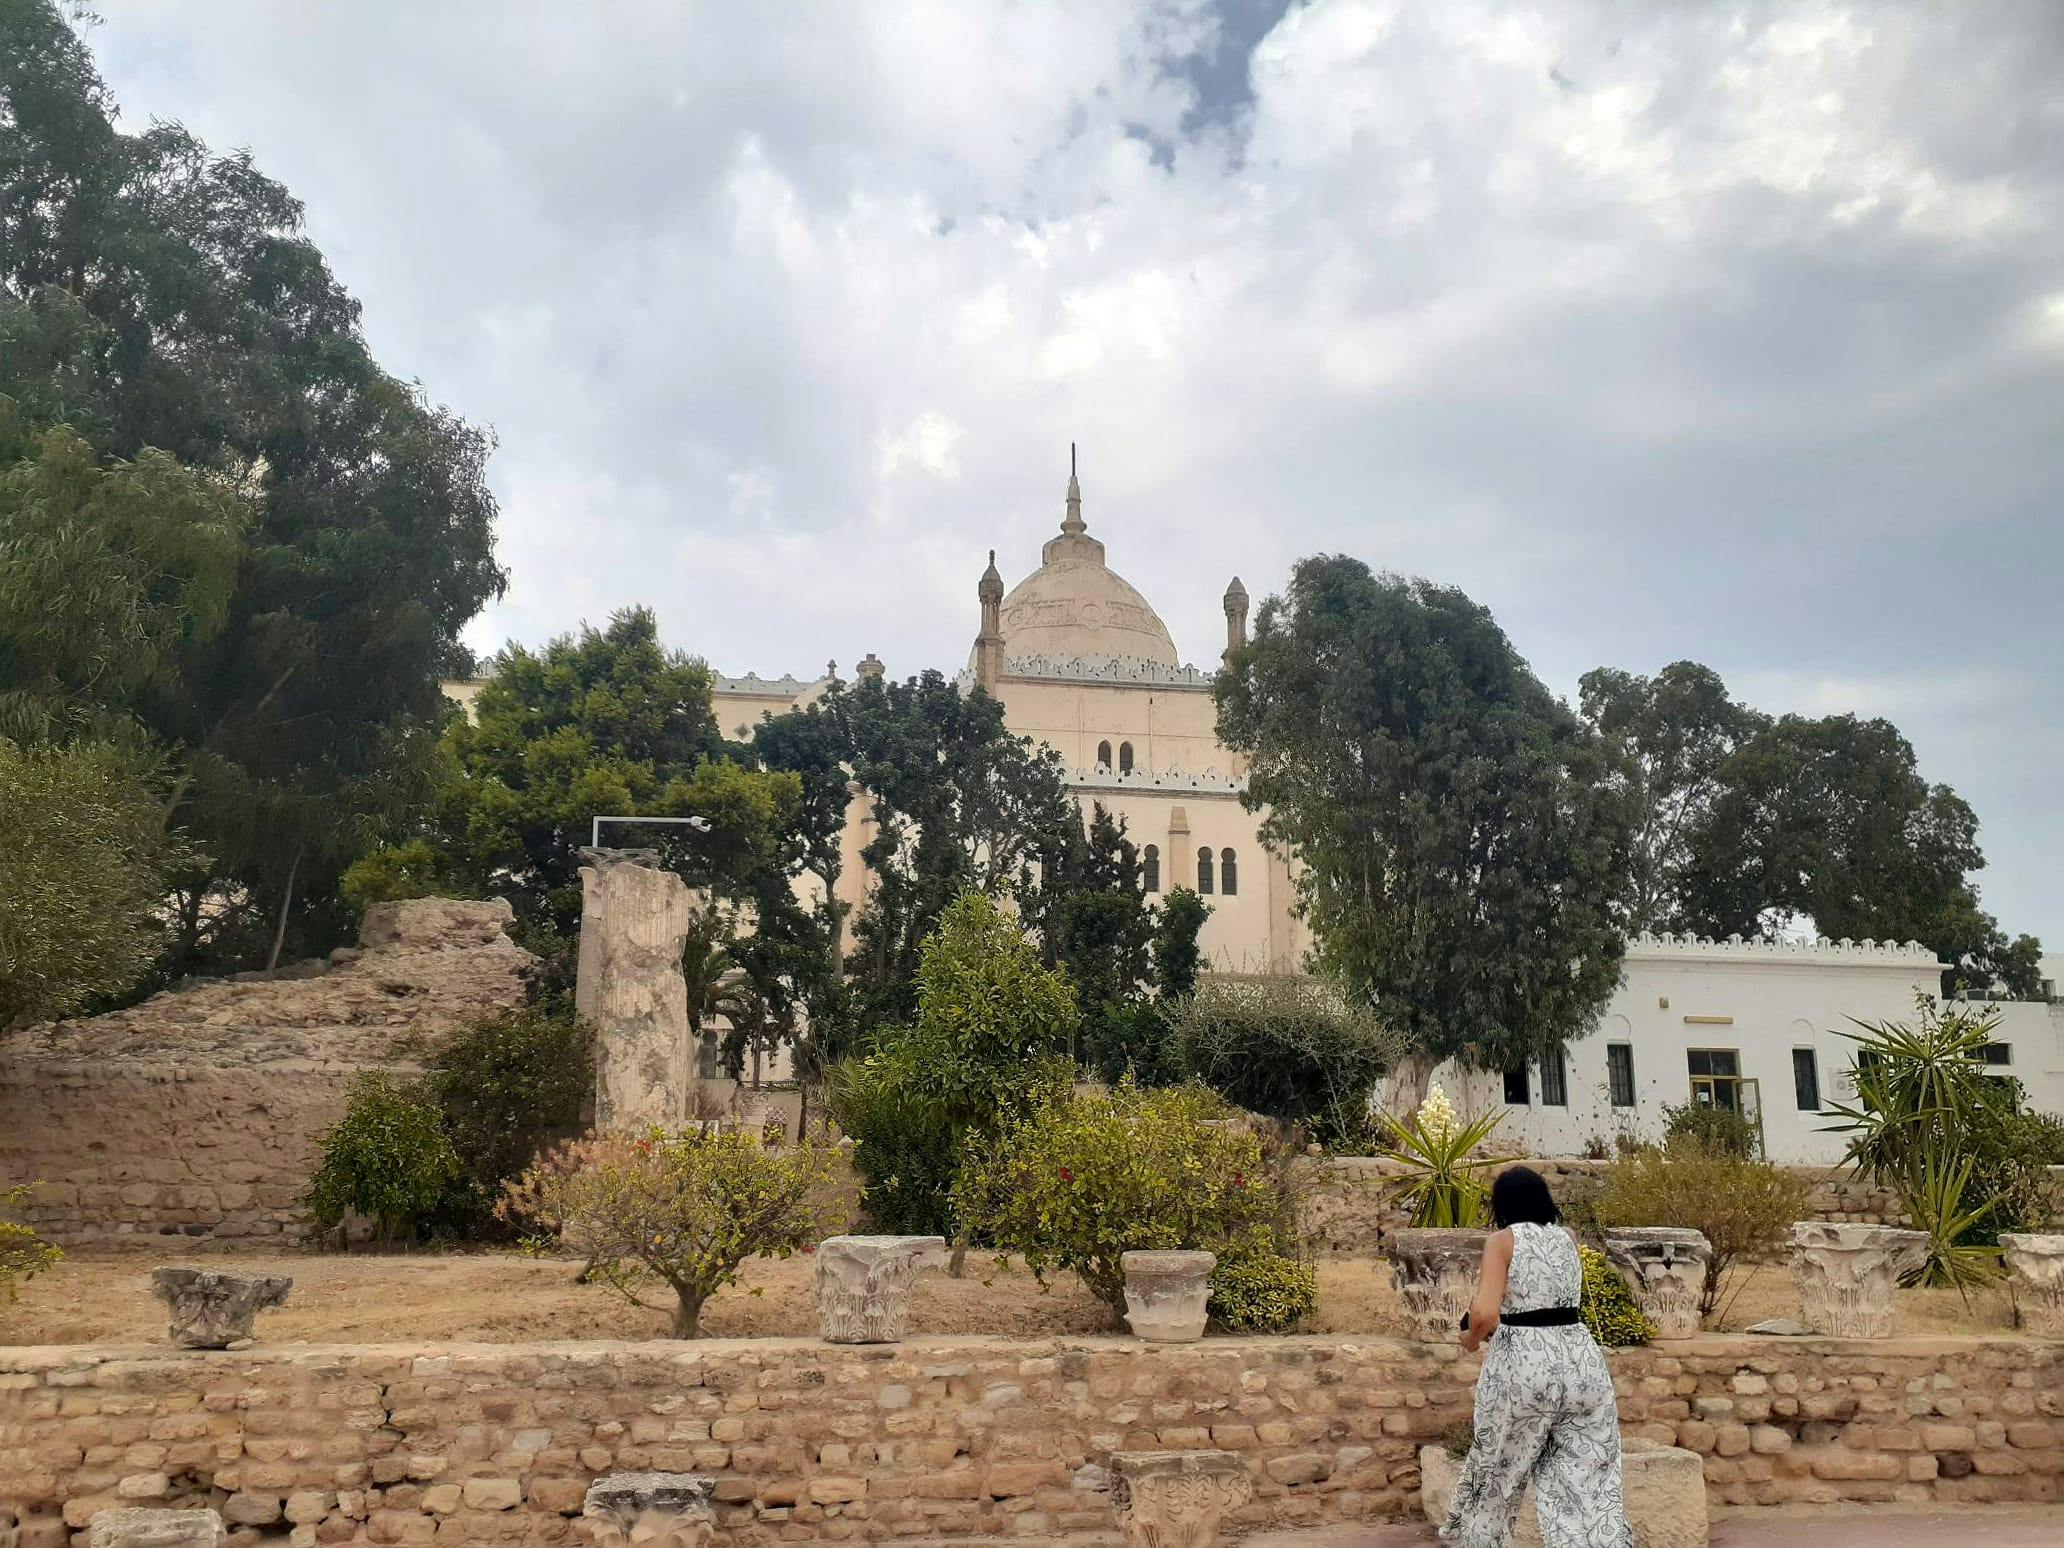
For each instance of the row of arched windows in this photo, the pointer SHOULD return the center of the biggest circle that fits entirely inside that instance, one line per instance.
(1124, 763)
(1227, 872)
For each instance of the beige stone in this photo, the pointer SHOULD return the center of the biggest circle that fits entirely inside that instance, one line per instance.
(863, 1284)
(1845, 1275)
(1166, 1294)
(1434, 1272)
(211, 1309)
(662, 1510)
(143, 1528)
(635, 918)
(1666, 1269)
(2036, 1263)
(1176, 1499)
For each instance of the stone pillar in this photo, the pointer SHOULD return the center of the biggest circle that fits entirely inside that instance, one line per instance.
(635, 918)
(211, 1310)
(2037, 1265)
(1434, 1272)
(155, 1529)
(1166, 1294)
(863, 1284)
(662, 1510)
(1845, 1275)
(1666, 1266)
(1176, 1499)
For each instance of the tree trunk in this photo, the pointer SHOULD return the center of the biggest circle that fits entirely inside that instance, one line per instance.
(1406, 1086)
(956, 1266)
(687, 1316)
(279, 934)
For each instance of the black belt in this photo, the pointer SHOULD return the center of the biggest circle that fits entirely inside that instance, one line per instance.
(1545, 1317)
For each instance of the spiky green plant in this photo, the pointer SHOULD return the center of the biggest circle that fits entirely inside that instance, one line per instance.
(1443, 1183)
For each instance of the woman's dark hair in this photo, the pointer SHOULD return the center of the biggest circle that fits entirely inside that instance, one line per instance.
(1520, 1195)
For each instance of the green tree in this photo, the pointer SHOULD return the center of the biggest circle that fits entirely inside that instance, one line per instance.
(1462, 849)
(160, 301)
(83, 864)
(1177, 924)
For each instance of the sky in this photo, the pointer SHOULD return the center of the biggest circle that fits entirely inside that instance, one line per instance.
(1730, 332)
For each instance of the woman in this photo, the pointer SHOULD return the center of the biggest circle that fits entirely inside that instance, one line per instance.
(1544, 1403)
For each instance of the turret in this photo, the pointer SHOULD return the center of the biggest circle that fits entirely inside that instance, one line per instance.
(1235, 618)
(989, 643)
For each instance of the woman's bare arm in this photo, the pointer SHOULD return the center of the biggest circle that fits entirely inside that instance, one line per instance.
(1490, 1290)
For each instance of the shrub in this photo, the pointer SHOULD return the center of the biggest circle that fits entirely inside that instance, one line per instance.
(508, 1087)
(904, 1148)
(1082, 1180)
(2012, 1157)
(1745, 1208)
(1444, 1183)
(1608, 1307)
(1711, 1127)
(1257, 1289)
(682, 1209)
(1289, 1046)
(23, 1254)
(388, 1157)
(392, 873)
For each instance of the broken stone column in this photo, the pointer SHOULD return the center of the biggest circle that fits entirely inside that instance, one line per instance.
(1434, 1271)
(1166, 1294)
(212, 1310)
(635, 918)
(863, 1284)
(1176, 1499)
(141, 1528)
(2036, 1262)
(1845, 1275)
(1666, 1268)
(653, 1510)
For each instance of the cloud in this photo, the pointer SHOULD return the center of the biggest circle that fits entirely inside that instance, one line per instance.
(1667, 331)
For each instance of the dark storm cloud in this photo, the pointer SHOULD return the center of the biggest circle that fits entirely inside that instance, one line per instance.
(1732, 333)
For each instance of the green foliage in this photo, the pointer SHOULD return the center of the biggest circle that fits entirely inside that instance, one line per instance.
(1608, 1307)
(1445, 1182)
(1177, 924)
(1257, 1289)
(83, 864)
(1924, 1110)
(1711, 1126)
(23, 1254)
(2012, 1155)
(905, 1150)
(388, 1157)
(394, 872)
(232, 526)
(1745, 1208)
(1082, 1180)
(1462, 843)
(507, 1088)
(684, 1210)
(1288, 1046)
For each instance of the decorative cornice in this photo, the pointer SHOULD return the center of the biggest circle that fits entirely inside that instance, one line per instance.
(1210, 782)
(1650, 946)
(1126, 670)
(761, 687)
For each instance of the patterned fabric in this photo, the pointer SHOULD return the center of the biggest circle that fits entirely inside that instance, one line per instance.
(1545, 1413)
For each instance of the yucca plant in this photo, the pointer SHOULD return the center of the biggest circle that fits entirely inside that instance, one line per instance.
(1939, 1209)
(1443, 1184)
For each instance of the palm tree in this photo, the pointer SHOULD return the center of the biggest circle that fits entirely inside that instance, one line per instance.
(716, 984)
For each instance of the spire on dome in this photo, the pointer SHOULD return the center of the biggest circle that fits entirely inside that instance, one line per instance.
(1072, 523)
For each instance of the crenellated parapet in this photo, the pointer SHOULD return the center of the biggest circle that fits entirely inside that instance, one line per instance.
(1650, 946)
(1102, 777)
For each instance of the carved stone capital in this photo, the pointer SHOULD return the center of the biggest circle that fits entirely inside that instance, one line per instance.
(211, 1310)
(1176, 1499)
(155, 1528)
(1845, 1275)
(1666, 1267)
(1434, 1271)
(863, 1284)
(2036, 1261)
(1166, 1294)
(652, 1510)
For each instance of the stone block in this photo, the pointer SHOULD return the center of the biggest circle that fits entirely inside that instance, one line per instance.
(1434, 1272)
(2035, 1262)
(635, 918)
(1665, 1488)
(1176, 1499)
(143, 1528)
(1666, 1268)
(212, 1310)
(1845, 1275)
(662, 1510)
(863, 1285)
(1166, 1294)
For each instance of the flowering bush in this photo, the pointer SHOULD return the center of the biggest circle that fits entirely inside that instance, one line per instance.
(1083, 1180)
(684, 1209)
(1443, 1185)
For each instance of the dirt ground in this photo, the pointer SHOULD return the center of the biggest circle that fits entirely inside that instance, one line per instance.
(493, 1297)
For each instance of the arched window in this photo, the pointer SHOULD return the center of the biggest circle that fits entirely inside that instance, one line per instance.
(1125, 757)
(1228, 872)
(1204, 870)
(1150, 868)
(1103, 755)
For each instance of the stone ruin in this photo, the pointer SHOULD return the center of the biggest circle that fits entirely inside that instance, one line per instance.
(863, 1284)
(213, 1310)
(635, 919)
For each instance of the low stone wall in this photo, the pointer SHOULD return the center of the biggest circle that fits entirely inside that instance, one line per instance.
(1351, 1213)
(946, 1438)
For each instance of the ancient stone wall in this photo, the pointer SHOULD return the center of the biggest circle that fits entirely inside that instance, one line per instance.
(950, 1437)
(1350, 1212)
(198, 1112)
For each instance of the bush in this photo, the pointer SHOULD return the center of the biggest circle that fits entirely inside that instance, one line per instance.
(682, 1210)
(1711, 1128)
(1745, 1208)
(904, 1148)
(1082, 1180)
(1288, 1046)
(507, 1087)
(393, 873)
(2012, 1156)
(388, 1157)
(1608, 1307)
(1257, 1289)
(23, 1254)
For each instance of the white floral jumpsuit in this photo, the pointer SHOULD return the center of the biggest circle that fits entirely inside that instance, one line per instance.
(1544, 1411)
